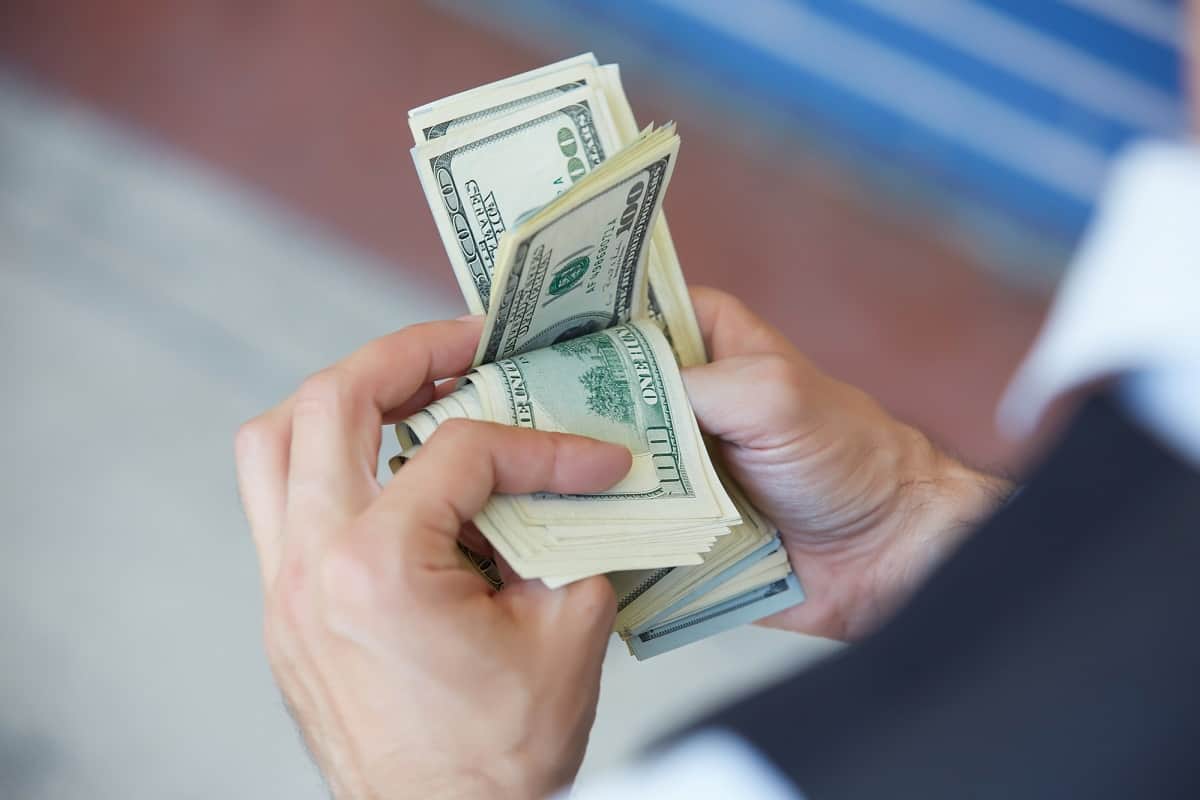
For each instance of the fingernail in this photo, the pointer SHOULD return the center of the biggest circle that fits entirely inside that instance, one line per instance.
(469, 317)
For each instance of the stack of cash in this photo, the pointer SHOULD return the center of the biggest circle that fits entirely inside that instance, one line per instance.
(548, 199)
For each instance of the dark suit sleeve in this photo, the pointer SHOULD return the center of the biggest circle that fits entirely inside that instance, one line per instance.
(1055, 655)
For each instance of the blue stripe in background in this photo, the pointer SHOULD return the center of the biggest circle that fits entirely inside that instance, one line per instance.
(1038, 100)
(1120, 47)
(939, 161)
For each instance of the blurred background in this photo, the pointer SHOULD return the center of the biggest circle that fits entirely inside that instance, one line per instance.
(203, 202)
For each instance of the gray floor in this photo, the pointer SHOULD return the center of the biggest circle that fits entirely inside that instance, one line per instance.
(146, 308)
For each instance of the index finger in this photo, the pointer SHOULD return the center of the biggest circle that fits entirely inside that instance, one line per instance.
(337, 413)
(449, 480)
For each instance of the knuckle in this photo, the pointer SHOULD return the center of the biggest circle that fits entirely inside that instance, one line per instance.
(251, 436)
(457, 430)
(320, 392)
(709, 293)
(343, 567)
(356, 580)
(407, 346)
(287, 603)
(726, 301)
(393, 348)
(779, 371)
(595, 600)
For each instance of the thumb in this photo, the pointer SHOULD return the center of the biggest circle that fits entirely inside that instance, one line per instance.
(743, 399)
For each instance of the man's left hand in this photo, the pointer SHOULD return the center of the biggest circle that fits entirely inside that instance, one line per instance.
(408, 675)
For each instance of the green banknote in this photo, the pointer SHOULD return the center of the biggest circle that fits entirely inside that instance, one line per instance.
(548, 200)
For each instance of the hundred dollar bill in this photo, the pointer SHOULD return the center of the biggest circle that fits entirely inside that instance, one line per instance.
(483, 178)
(745, 608)
(497, 101)
(579, 264)
(668, 299)
(619, 385)
(646, 596)
(761, 571)
(434, 119)
(499, 170)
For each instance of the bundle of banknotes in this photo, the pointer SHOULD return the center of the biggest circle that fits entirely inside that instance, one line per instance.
(548, 198)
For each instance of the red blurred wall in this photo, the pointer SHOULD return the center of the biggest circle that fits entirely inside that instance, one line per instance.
(307, 101)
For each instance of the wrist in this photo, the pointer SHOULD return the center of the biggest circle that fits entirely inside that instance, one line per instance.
(938, 505)
(417, 784)
(453, 787)
(457, 782)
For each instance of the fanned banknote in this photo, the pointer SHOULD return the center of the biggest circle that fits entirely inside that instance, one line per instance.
(548, 199)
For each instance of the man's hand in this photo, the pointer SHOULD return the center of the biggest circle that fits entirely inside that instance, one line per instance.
(865, 504)
(408, 676)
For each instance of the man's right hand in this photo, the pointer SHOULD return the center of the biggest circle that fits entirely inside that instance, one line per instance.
(865, 504)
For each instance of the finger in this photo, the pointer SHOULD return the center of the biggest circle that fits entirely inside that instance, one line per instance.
(580, 614)
(730, 328)
(525, 597)
(719, 393)
(594, 602)
(421, 398)
(427, 394)
(452, 476)
(261, 455)
(471, 538)
(444, 388)
(337, 413)
(591, 603)
(752, 400)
